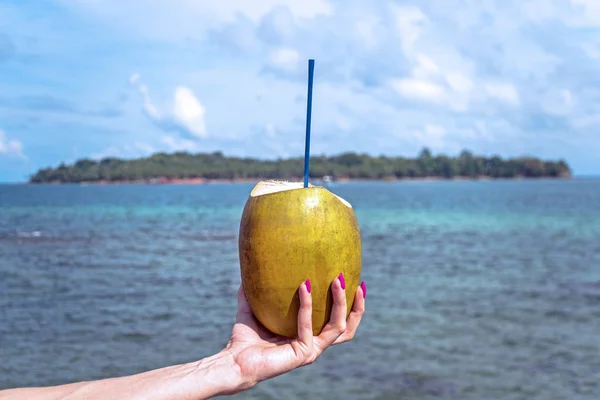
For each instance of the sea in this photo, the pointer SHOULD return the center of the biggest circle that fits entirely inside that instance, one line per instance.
(476, 289)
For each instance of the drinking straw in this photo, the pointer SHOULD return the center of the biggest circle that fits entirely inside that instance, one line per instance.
(311, 69)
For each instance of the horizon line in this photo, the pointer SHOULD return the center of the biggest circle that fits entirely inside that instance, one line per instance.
(574, 176)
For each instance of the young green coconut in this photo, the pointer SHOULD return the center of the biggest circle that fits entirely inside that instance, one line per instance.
(288, 234)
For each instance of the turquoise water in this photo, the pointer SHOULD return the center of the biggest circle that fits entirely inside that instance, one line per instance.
(477, 290)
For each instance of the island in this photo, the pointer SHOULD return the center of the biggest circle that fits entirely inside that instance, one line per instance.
(183, 167)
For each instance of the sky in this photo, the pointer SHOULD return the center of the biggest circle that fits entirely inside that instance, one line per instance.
(98, 78)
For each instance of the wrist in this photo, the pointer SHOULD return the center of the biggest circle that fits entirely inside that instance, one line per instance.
(222, 374)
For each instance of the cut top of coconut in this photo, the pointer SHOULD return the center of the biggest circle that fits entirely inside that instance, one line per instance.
(273, 186)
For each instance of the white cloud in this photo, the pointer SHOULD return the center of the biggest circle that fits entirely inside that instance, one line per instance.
(134, 150)
(10, 146)
(134, 78)
(179, 144)
(419, 90)
(586, 122)
(410, 23)
(256, 9)
(425, 67)
(540, 10)
(285, 59)
(590, 12)
(149, 108)
(144, 148)
(560, 102)
(365, 30)
(459, 83)
(271, 130)
(111, 151)
(591, 49)
(183, 19)
(431, 84)
(435, 130)
(433, 136)
(453, 90)
(504, 92)
(187, 112)
(141, 149)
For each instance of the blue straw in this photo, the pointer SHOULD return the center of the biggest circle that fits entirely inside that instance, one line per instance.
(311, 69)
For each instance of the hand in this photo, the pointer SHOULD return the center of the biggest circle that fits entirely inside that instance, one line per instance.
(260, 354)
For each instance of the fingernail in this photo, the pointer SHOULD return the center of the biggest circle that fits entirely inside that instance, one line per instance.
(363, 286)
(307, 285)
(342, 281)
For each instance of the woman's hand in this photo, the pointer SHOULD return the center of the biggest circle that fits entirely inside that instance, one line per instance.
(260, 354)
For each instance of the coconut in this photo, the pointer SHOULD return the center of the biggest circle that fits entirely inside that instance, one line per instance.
(289, 234)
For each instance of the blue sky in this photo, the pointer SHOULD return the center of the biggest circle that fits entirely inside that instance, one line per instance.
(127, 78)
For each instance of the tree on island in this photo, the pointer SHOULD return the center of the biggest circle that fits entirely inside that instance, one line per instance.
(350, 165)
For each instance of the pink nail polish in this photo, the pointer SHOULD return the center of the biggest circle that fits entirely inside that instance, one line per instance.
(363, 286)
(307, 285)
(342, 281)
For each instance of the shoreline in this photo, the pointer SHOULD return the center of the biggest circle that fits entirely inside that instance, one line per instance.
(202, 181)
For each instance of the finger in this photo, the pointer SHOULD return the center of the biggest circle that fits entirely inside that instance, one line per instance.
(337, 320)
(305, 328)
(338, 311)
(358, 310)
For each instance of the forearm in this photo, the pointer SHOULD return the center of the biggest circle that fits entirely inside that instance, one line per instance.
(209, 377)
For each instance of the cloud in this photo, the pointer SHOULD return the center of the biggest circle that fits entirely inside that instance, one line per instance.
(188, 19)
(419, 89)
(179, 144)
(590, 12)
(237, 37)
(274, 141)
(504, 92)
(10, 146)
(186, 114)
(366, 31)
(167, 144)
(285, 63)
(410, 22)
(432, 136)
(278, 26)
(285, 59)
(134, 150)
(430, 83)
(257, 9)
(560, 102)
